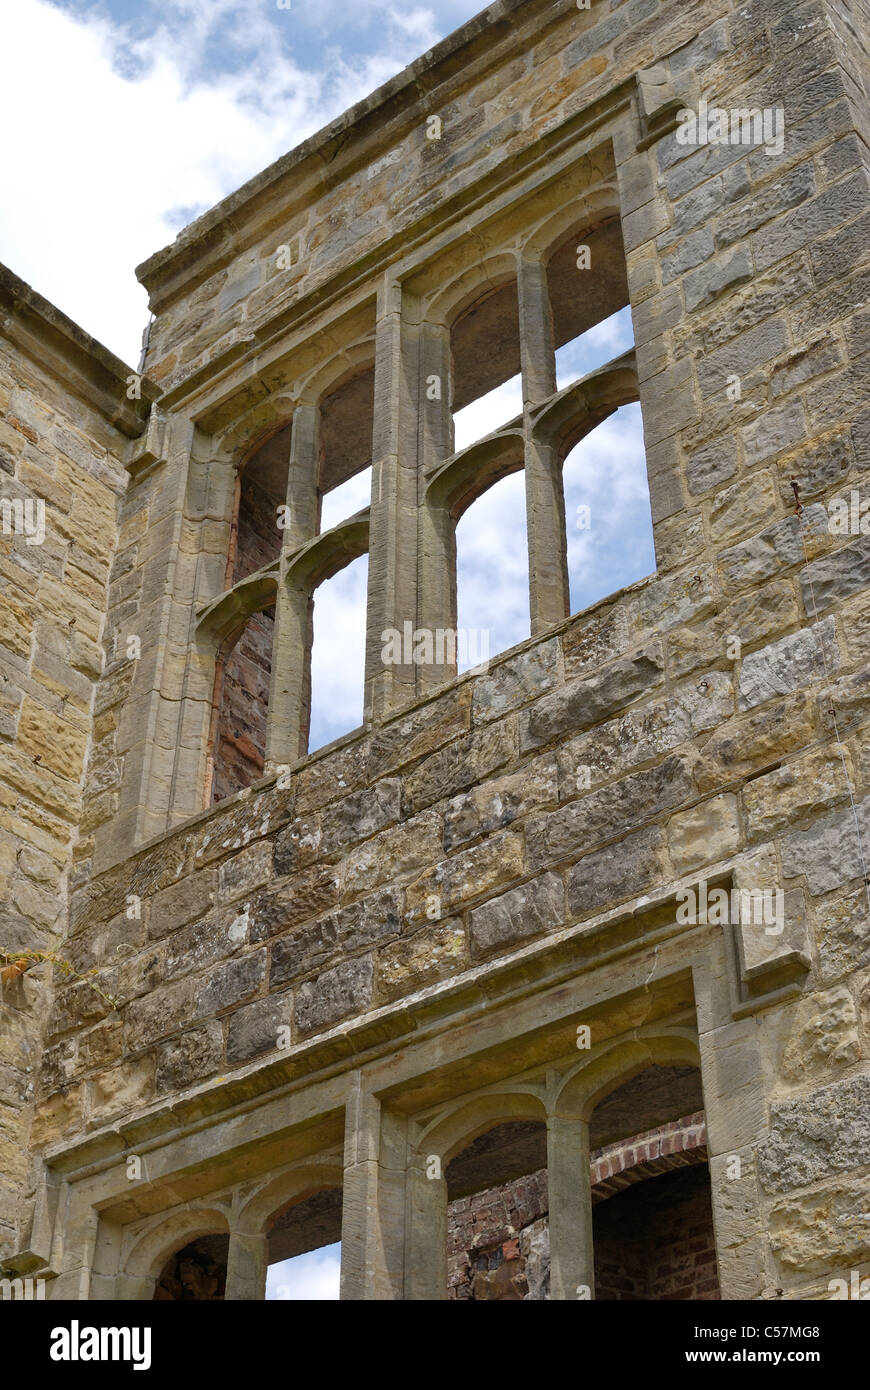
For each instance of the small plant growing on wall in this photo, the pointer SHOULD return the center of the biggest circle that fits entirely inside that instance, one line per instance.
(16, 963)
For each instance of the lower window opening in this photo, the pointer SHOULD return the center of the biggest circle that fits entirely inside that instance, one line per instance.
(305, 1250)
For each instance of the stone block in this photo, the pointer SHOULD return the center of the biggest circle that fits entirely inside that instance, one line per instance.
(704, 834)
(362, 814)
(259, 1027)
(516, 681)
(414, 962)
(817, 1136)
(497, 803)
(609, 812)
(297, 899)
(824, 1232)
(801, 788)
(585, 702)
(829, 852)
(823, 1036)
(521, 913)
(784, 666)
(342, 992)
(230, 984)
(196, 1054)
(181, 902)
(618, 872)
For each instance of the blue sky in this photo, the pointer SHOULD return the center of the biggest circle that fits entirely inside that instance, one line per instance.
(126, 119)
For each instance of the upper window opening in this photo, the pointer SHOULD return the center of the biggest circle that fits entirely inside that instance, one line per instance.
(587, 285)
(346, 424)
(488, 413)
(241, 708)
(345, 500)
(338, 654)
(196, 1273)
(492, 573)
(608, 520)
(597, 346)
(485, 365)
(304, 1249)
(314, 1277)
(263, 490)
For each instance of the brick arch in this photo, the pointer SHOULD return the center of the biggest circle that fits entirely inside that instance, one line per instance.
(678, 1144)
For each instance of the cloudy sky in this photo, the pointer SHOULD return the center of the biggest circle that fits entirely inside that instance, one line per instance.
(125, 119)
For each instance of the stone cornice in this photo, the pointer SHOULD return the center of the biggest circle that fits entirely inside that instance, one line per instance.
(71, 355)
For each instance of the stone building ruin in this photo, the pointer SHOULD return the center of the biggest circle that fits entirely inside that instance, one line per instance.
(429, 990)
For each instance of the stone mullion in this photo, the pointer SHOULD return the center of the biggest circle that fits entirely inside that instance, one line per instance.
(146, 794)
(426, 1226)
(549, 600)
(373, 1199)
(290, 685)
(437, 554)
(290, 682)
(570, 1201)
(247, 1262)
(393, 541)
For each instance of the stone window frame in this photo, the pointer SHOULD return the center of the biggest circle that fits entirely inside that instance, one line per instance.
(307, 558)
(538, 442)
(553, 421)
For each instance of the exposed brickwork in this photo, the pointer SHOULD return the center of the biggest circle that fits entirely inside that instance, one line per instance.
(240, 742)
(655, 1241)
(486, 1260)
(655, 1151)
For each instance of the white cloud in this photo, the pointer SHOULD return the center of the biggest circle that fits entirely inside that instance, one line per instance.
(121, 132)
(487, 413)
(310, 1277)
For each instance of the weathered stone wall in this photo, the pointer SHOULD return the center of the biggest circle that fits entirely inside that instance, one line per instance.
(61, 456)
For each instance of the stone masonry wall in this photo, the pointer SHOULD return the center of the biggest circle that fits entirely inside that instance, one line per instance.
(370, 177)
(59, 452)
